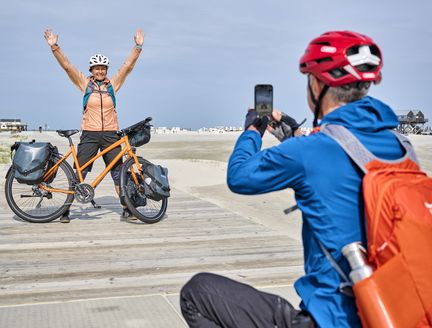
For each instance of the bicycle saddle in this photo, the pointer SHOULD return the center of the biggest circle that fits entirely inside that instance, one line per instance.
(66, 133)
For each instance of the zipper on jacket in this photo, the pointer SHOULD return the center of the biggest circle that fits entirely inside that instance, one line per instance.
(102, 117)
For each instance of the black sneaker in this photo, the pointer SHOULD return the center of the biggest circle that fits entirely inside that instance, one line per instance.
(65, 217)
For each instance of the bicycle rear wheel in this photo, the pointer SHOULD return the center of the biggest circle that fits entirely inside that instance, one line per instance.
(34, 204)
(145, 209)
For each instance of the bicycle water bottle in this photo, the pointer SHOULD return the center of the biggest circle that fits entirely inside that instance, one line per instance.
(356, 256)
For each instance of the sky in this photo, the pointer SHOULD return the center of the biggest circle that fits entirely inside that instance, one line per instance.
(201, 59)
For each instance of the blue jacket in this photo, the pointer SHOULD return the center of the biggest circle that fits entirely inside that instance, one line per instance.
(327, 189)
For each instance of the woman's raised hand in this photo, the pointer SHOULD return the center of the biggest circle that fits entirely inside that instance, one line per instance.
(139, 37)
(50, 37)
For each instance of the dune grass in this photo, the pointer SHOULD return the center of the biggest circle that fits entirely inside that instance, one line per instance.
(5, 150)
(4, 155)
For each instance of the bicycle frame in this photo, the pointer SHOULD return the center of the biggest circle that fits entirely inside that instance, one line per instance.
(127, 149)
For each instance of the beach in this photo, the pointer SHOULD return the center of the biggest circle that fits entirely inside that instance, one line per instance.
(99, 266)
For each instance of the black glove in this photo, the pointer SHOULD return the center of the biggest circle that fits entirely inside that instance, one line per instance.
(259, 123)
(288, 120)
(285, 128)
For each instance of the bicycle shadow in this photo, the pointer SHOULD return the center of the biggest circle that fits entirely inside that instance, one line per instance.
(109, 205)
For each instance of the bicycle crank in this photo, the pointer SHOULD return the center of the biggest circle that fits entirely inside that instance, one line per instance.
(84, 193)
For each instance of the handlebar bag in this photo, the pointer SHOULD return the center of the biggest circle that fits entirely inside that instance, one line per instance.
(139, 135)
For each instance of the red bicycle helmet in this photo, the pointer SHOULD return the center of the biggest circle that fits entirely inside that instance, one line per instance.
(342, 57)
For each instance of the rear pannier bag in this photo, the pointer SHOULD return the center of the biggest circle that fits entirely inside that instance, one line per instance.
(31, 161)
(156, 181)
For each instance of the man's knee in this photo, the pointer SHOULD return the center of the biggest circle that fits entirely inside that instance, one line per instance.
(197, 282)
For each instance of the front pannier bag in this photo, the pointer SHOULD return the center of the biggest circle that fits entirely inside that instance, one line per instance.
(156, 181)
(136, 197)
(31, 161)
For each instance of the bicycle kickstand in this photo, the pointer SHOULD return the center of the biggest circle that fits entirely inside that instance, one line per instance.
(95, 205)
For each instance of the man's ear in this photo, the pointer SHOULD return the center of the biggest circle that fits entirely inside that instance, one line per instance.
(316, 85)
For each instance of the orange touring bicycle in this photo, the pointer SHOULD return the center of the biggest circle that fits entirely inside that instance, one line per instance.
(60, 185)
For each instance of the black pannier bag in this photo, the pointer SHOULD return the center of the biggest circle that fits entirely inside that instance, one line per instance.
(156, 181)
(139, 135)
(31, 161)
(136, 197)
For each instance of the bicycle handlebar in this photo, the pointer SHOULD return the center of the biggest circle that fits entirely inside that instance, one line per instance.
(133, 127)
(68, 133)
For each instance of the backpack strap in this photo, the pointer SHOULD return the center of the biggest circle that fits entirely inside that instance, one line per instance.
(407, 145)
(91, 89)
(355, 149)
(345, 287)
(352, 146)
(111, 93)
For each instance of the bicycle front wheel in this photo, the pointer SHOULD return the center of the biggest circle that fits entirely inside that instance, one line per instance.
(33, 203)
(145, 209)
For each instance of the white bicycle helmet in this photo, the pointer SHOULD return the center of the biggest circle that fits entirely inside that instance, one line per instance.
(99, 59)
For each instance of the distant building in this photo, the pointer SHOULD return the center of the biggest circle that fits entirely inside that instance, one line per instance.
(221, 129)
(165, 130)
(411, 121)
(12, 125)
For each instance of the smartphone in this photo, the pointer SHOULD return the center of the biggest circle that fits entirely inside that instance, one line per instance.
(264, 100)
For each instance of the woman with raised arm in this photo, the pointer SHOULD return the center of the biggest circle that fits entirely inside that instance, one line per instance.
(99, 122)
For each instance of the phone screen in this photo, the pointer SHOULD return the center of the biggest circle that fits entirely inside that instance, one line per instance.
(264, 99)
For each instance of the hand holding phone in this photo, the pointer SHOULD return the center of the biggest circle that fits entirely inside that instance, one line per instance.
(264, 100)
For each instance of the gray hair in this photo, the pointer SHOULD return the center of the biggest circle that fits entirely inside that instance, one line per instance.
(350, 92)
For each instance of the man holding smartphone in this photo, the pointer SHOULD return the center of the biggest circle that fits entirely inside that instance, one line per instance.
(340, 67)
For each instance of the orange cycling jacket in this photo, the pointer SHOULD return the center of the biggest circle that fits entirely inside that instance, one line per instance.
(100, 113)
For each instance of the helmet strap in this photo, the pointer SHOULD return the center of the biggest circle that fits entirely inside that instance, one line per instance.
(317, 102)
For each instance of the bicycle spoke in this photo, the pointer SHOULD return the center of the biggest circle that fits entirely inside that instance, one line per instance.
(36, 204)
(152, 208)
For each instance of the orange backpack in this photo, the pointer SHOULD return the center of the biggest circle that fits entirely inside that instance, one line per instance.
(398, 205)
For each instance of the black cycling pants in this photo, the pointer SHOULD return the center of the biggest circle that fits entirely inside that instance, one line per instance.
(93, 141)
(211, 301)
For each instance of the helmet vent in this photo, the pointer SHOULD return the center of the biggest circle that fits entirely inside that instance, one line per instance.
(356, 50)
(324, 60)
(375, 51)
(352, 51)
(366, 68)
(338, 73)
(322, 43)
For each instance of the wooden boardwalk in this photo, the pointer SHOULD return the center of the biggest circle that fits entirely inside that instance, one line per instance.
(98, 254)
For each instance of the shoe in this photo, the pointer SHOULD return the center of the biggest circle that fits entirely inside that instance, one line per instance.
(65, 217)
(127, 214)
